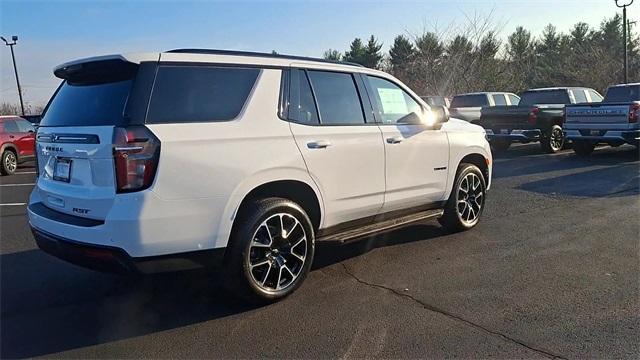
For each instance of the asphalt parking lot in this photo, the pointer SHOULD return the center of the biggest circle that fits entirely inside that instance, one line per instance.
(552, 270)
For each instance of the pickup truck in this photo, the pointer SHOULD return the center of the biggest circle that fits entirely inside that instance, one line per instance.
(469, 106)
(615, 121)
(538, 117)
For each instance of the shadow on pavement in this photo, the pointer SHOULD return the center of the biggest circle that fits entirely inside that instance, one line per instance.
(49, 306)
(515, 164)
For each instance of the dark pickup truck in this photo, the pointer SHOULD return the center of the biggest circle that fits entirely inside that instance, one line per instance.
(538, 117)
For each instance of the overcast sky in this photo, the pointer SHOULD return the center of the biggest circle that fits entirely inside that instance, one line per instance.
(52, 32)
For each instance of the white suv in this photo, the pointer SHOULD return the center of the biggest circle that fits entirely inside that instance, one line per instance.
(175, 160)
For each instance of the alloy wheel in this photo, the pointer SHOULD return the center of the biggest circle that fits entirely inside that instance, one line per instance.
(10, 162)
(277, 252)
(556, 139)
(470, 198)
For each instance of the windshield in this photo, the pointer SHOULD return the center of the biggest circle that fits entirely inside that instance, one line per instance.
(88, 105)
(623, 93)
(469, 101)
(544, 97)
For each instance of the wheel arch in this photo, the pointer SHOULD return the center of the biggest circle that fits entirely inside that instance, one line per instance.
(480, 161)
(9, 146)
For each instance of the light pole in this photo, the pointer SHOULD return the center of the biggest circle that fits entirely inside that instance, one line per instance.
(624, 36)
(14, 39)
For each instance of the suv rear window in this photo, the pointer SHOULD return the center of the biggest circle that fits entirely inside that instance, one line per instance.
(199, 93)
(623, 93)
(88, 104)
(545, 97)
(469, 101)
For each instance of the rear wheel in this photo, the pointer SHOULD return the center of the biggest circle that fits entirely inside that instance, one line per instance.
(500, 145)
(270, 251)
(583, 148)
(9, 163)
(466, 202)
(553, 141)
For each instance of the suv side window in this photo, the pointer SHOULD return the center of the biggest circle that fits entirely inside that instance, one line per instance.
(10, 126)
(391, 102)
(579, 95)
(499, 99)
(183, 94)
(24, 126)
(303, 106)
(337, 98)
(514, 99)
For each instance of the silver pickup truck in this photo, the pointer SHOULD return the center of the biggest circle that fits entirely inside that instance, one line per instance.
(614, 121)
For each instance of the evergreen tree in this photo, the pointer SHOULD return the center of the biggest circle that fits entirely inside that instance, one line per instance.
(332, 54)
(401, 52)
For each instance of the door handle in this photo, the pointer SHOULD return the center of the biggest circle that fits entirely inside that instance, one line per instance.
(394, 140)
(320, 144)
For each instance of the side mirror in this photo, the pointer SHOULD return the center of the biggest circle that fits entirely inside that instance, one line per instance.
(411, 119)
(441, 114)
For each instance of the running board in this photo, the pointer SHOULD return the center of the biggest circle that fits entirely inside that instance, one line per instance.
(382, 226)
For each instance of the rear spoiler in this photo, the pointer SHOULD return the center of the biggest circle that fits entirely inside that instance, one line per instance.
(101, 69)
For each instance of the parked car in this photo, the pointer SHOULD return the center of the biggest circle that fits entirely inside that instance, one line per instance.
(201, 157)
(613, 122)
(468, 107)
(33, 119)
(437, 100)
(17, 143)
(538, 117)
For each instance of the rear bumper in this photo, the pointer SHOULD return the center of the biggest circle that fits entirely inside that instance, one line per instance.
(516, 135)
(116, 260)
(607, 136)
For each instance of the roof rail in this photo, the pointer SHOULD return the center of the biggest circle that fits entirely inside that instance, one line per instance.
(258, 54)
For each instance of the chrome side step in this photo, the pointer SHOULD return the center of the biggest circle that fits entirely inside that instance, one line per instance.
(386, 225)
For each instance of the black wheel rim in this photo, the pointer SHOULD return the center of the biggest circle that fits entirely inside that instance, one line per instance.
(470, 199)
(277, 253)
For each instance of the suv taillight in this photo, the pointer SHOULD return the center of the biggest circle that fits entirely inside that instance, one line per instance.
(634, 112)
(533, 115)
(136, 153)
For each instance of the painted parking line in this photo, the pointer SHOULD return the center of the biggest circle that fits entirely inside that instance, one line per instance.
(13, 204)
(28, 184)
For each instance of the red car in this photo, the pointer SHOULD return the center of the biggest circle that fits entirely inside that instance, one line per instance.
(17, 143)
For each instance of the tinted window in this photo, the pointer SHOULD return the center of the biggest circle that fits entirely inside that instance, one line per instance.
(88, 105)
(469, 101)
(337, 98)
(199, 94)
(305, 111)
(10, 126)
(544, 97)
(595, 97)
(24, 126)
(392, 103)
(514, 99)
(623, 93)
(579, 96)
(499, 100)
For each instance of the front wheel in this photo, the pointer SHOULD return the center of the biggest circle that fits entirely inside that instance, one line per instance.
(583, 148)
(270, 251)
(466, 202)
(9, 163)
(553, 141)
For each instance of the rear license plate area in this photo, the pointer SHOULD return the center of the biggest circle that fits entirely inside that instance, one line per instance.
(62, 170)
(504, 131)
(594, 132)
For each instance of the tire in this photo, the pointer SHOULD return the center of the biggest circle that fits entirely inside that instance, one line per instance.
(500, 145)
(462, 205)
(553, 141)
(273, 266)
(583, 148)
(9, 163)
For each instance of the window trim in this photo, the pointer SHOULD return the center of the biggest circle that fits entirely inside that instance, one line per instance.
(240, 114)
(376, 112)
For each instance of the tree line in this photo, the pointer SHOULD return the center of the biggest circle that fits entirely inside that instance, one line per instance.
(473, 58)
